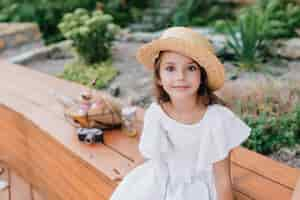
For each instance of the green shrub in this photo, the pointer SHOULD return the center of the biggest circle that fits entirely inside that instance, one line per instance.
(46, 13)
(282, 17)
(83, 74)
(257, 26)
(220, 26)
(247, 39)
(271, 108)
(125, 12)
(92, 34)
(270, 133)
(201, 12)
(7, 11)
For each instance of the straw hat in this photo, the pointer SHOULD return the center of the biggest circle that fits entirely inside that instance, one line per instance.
(189, 43)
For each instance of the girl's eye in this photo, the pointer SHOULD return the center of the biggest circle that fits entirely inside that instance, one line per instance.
(170, 68)
(193, 68)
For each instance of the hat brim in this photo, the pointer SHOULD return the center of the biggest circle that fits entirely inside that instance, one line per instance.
(147, 54)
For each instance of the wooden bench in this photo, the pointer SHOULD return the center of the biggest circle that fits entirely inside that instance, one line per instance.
(17, 188)
(39, 146)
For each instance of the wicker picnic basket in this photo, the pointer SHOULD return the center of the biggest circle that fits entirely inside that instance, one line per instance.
(96, 111)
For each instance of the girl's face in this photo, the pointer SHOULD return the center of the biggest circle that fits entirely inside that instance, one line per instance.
(179, 75)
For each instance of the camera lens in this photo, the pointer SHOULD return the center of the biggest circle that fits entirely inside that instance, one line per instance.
(89, 138)
(88, 141)
(81, 137)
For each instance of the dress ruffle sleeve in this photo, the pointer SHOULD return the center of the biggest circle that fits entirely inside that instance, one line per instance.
(226, 131)
(154, 142)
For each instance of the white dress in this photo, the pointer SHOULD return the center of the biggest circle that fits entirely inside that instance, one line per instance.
(179, 157)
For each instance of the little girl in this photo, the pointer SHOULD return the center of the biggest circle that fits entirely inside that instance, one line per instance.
(188, 132)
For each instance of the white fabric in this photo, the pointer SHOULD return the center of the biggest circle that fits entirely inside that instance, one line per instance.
(179, 157)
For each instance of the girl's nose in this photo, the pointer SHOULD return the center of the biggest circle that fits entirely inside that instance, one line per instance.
(180, 75)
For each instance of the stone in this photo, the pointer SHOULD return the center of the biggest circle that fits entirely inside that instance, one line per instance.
(143, 36)
(144, 81)
(285, 154)
(294, 163)
(297, 149)
(114, 90)
(20, 38)
(289, 49)
(142, 100)
(56, 51)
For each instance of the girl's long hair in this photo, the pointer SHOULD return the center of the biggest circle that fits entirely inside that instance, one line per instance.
(203, 91)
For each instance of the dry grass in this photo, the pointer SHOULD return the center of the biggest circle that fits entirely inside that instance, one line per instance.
(251, 97)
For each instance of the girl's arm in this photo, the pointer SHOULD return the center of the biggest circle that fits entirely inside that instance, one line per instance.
(223, 180)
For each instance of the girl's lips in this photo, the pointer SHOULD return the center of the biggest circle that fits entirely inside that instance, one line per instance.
(181, 87)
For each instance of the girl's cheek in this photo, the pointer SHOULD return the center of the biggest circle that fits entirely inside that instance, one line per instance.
(164, 75)
(194, 74)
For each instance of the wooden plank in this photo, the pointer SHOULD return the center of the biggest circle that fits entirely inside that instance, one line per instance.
(240, 196)
(99, 154)
(70, 185)
(16, 158)
(258, 187)
(126, 146)
(19, 188)
(266, 167)
(4, 182)
(38, 195)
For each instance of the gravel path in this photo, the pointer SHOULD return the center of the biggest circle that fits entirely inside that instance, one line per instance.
(134, 81)
(52, 67)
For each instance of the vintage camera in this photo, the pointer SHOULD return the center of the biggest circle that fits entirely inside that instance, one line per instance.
(90, 135)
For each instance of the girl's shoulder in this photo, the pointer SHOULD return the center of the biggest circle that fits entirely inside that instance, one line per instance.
(225, 119)
(221, 111)
(152, 110)
(152, 107)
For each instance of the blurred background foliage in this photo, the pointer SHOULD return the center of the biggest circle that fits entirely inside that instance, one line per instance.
(91, 33)
(46, 13)
(281, 15)
(125, 11)
(202, 12)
